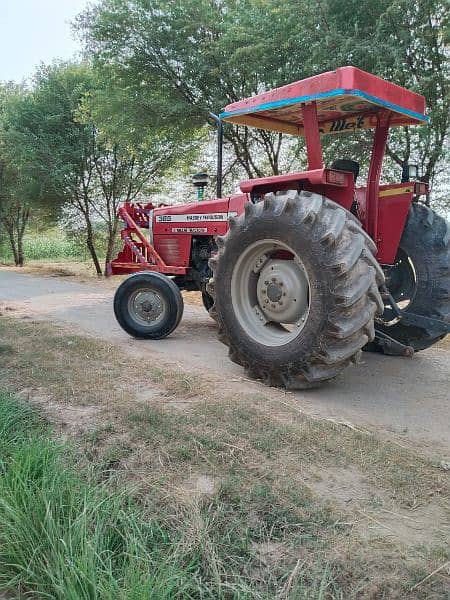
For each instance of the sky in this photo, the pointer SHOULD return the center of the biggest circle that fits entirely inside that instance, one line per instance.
(35, 31)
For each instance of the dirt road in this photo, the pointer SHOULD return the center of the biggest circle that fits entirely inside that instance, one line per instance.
(407, 399)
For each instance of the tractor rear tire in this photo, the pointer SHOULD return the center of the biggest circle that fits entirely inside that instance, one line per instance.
(421, 277)
(326, 264)
(148, 305)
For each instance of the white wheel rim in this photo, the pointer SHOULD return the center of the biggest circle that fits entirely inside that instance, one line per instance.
(270, 294)
(146, 307)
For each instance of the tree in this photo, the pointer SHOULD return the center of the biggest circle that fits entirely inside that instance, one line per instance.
(80, 158)
(203, 54)
(51, 145)
(15, 187)
(407, 43)
(14, 210)
(127, 160)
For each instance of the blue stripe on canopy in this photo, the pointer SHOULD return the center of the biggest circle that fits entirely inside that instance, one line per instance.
(339, 92)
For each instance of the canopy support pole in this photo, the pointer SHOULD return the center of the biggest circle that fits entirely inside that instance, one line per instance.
(219, 124)
(373, 179)
(312, 136)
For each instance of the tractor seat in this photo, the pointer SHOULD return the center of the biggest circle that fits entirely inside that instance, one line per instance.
(344, 164)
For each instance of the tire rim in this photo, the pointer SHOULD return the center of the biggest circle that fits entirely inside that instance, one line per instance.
(270, 293)
(402, 285)
(146, 307)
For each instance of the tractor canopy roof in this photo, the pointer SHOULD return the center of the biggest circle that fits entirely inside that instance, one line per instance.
(347, 99)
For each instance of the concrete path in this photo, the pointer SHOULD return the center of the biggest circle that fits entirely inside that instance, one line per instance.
(407, 399)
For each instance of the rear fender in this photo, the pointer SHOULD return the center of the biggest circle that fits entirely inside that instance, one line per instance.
(316, 180)
(394, 203)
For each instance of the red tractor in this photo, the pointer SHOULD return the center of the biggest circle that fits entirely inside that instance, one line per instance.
(301, 271)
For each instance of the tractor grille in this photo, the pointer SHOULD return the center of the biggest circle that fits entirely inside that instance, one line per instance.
(169, 250)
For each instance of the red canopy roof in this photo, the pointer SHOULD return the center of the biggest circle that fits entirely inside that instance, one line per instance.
(346, 99)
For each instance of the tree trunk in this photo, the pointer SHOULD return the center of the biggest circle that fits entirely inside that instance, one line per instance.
(12, 242)
(91, 246)
(23, 216)
(15, 222)
(82, 204)
(20, 254)
(111, 242)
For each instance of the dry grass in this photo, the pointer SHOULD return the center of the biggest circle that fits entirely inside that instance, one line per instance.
(194, 298)
(57, 268)
(252, 477)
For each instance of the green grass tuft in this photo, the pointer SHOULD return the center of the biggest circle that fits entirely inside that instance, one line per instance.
(63, 536)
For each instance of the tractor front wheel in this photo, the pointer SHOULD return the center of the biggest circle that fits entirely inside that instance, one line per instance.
(295, 288)
(148, 305)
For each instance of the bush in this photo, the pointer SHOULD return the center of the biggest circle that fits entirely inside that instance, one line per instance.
(51, 247)
(57, 244)
(46, 246)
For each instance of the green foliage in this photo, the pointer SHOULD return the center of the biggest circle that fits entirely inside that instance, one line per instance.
(403, 42)
(17, 188)
(73, 136)
(203, 54)
(199, 55)
(49, 142)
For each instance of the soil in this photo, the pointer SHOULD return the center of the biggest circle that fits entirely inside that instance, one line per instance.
(375, 515)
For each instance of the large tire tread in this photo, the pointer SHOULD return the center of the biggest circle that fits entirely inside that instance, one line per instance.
(426, 239)
(354, 277)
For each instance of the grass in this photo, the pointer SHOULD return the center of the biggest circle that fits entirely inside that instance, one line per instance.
(65, 536)
(139, 394)
(51, 245)
(51, 253)
(226, 482)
